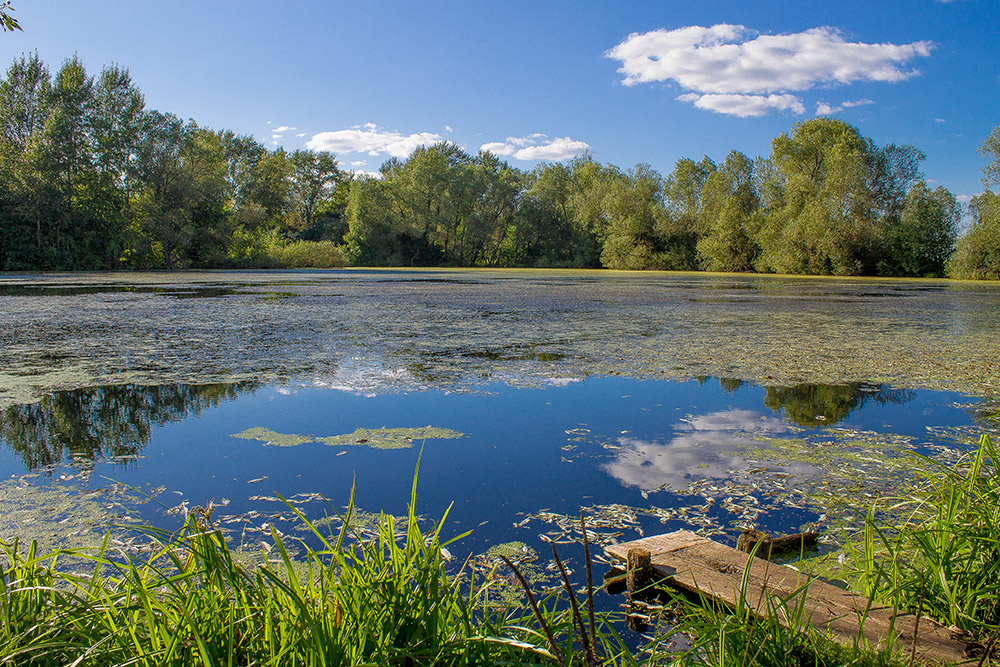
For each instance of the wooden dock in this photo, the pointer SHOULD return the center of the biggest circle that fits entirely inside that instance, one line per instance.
(698, 565)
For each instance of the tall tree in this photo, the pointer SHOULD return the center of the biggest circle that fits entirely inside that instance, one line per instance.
(923, 237)
(314, 177)
(729, 202)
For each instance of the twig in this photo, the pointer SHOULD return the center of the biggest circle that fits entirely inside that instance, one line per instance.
(577, 616)
(590, 579)
(534, 608)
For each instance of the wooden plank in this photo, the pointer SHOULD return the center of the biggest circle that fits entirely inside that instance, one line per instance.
(697, 564)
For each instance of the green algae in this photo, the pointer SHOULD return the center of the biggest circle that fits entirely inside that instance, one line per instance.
(64, 516)
(496, 586)
(373, 331)
(376, 438)
(269, 437)
(390, 438)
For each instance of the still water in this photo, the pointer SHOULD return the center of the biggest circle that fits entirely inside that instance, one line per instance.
(643, 456)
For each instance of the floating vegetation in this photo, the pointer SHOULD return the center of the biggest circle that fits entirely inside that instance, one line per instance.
(376, 438)
(381, 331)
(61, 516)
(497, 586)
(269, 437)
(824, 478)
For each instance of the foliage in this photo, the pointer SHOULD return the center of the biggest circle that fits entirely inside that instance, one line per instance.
(977, 253)
(944, 561)
(92, 179)
(308, 255)
(347, 602)
(8, 22)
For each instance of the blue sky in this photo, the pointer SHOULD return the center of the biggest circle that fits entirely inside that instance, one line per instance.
(642, 82)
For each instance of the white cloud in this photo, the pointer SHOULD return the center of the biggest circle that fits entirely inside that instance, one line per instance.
(734, 70)
(824, 109)
(359, 163)
(498, 148)
(537, 147)
(300, 134)
(940, 120)
(745, 105)
(369, 139)
(284, 128)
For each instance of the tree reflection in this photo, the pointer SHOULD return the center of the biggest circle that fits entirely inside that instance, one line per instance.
(811, 405)
(85, 425)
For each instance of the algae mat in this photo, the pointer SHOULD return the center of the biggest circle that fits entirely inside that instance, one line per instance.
(383, 330)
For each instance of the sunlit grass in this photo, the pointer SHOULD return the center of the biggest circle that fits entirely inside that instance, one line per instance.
(944, 560)
(380, 601)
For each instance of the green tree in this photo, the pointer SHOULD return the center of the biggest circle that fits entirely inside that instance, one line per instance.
(24, 109)
(635, 212)
(977, 253)
(488, 192)
(728, 241)
(923, 238)
(991, 149)
(542, 233)
(684, 226)
(373, 234)
(828, 217)
(181, 208)
(314, 178)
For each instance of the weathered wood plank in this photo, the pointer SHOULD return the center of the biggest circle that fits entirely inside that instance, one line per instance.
(697, 564)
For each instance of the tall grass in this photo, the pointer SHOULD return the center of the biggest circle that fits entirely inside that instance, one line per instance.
(381, 601)
(944, 560)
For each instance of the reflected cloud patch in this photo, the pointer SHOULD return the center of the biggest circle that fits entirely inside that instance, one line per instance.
(703, 447)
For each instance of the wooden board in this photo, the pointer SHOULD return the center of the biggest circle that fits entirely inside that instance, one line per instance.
(698, 565)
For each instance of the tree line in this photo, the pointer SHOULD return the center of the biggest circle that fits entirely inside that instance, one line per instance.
(92, 179)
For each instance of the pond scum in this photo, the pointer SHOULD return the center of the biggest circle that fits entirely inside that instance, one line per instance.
(385, 596)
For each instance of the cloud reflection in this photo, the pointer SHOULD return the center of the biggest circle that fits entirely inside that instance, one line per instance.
(703, 447)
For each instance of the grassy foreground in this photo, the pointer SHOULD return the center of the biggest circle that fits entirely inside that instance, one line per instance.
(390, 601)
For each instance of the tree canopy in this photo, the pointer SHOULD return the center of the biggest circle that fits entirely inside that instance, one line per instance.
(93, 179)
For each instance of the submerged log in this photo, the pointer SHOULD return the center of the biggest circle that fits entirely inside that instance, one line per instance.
(771, 547)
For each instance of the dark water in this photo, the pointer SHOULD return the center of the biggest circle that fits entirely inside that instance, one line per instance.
(578, 442)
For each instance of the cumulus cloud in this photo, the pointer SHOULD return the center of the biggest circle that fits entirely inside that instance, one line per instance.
(284, 128)
(745, 105)
(300, 134)
(370, 139)
(537, 147)
(734, 70)
(824, 109)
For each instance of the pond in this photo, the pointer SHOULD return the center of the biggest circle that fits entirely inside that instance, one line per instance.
(653, 401)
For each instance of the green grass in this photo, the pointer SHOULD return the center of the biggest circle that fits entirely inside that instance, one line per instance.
(389, 600)
(381, 601)
(944, 560)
